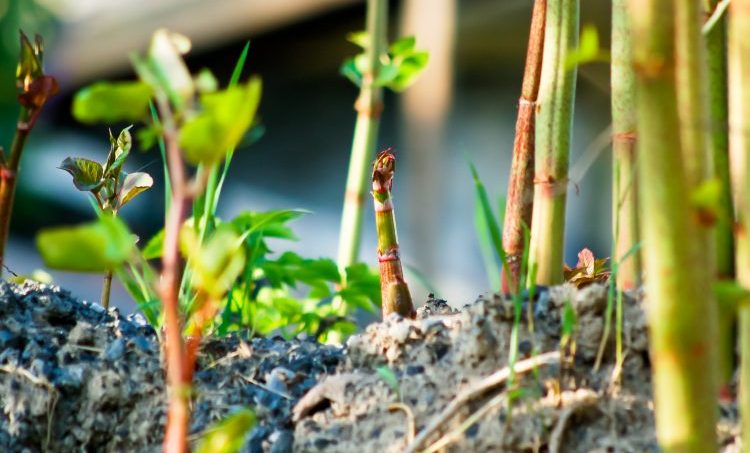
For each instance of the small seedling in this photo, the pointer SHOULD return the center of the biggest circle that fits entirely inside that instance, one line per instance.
(395, 294)
(35, 88)
(588, 270)
(110, 186)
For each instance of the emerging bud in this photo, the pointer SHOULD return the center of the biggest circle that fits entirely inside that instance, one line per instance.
(35, 87)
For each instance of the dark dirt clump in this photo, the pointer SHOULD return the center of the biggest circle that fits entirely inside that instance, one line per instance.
(74, 377)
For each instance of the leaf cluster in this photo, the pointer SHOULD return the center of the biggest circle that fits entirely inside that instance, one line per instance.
(399, 66)
(588, 270)
(110, 185)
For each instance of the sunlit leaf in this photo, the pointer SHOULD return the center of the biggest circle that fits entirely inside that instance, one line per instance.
(91, 247)
(154, 247)
(205, 81)
(228, 435)
(219, 261)
(87, 174)
(225, 118)
(134, 184)
(403, 46)
(359, 38)
(168, 67)
(409, 68)
(588, 50)
(111, 102)
(350, 71)
(29, 66)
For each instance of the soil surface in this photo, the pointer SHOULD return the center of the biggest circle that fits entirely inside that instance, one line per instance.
(74, 377)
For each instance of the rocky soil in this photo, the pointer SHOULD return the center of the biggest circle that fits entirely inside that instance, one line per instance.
(74, 377)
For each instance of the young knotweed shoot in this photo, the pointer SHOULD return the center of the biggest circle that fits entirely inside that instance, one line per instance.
(395, 294)
(35, 88)
(198, 124)
(110, 186)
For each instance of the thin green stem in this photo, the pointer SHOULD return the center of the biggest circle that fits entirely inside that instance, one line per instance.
(625, 188)
(681, 307)
(9, 178)
(739, 143)
(553, 130)
(368, 106)
(394, 290)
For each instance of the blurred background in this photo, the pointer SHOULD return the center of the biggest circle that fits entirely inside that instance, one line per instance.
(462, 108)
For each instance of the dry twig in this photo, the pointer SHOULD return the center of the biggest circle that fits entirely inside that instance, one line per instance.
(478, 388)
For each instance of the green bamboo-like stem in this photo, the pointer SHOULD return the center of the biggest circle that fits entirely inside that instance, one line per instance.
(718, 140)
(718, 146)
(368, 106)
(553, 129)
(681, 308)
(521, 185)
(8, 179)
(395, 293)
(739, 143)
(625, 179)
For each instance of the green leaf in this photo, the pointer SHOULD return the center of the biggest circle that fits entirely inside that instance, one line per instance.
(168, 67)
(409, 68)
(91, 247)
(569, 320)
(588, 50)
(359, 38)
(403, 46)
(387, 375)
(228, 435)
(133, 184)
(269, 223)
(349, 70)
(205, 81)
(219, 261)
(154, 247)
(226, 116)
(87, 174)
(111, 102)
(731, 295)
(489, 216)
(118, 153)
(29, 66)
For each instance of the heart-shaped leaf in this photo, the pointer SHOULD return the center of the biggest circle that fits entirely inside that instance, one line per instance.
(219, 261)
(91, 247)
(133, 184)
(87, 174)
(225, 118)
(110, 102)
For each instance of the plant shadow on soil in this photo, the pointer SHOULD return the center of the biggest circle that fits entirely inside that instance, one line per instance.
(74, 377)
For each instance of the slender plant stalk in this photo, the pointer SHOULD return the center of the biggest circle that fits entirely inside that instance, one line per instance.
(106, 289)
(625, 190)
(739, 143)
(718, 145)
(553, 129)
(521, 185)
(681, 306)
(8, 178)
(178, 413)
(393, 288)
(368, 106)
